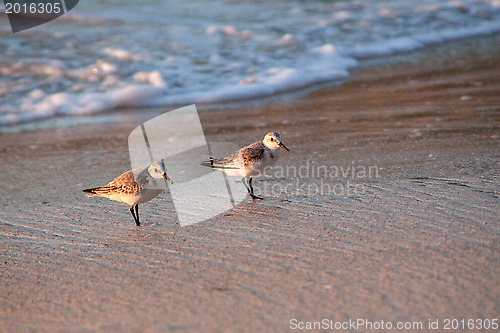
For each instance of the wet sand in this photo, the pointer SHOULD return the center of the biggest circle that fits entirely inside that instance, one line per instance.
(421, 242)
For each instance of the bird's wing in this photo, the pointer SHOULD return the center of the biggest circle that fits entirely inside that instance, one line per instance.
(243, 157)
(124, 184)
(226, 161)
(253, 153)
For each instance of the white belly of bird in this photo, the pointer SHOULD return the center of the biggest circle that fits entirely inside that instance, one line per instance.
(144, 196)
(270, 157)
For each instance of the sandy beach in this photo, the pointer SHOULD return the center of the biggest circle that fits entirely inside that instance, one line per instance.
(417, 241)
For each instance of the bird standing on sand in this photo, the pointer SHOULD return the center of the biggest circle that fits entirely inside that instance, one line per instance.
(250, 160)
(134, 187)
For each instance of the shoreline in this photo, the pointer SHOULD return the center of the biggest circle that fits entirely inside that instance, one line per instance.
(421, 244)
(486, 43)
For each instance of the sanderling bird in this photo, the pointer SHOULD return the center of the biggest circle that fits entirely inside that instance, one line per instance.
(250, 160)
(134, 187)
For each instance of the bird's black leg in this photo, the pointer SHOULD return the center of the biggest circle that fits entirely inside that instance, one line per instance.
(251, 190)
(132, 212)
(243, 180)
(137, 214)
(136, 218)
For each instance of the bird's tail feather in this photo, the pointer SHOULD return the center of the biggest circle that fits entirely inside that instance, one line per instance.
(90, 192)
(209, 163)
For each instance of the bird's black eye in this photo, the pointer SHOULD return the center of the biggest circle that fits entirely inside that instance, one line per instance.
(272, 139)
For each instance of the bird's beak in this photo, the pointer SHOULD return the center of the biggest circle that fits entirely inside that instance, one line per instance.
(283, 146)
(167, 178)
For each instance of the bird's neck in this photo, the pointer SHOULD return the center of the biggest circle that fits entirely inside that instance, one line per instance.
(275, 153)
(143, 177)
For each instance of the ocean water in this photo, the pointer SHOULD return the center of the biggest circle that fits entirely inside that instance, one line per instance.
(115, 54)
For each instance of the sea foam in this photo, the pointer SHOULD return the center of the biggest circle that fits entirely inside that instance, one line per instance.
(99, 58)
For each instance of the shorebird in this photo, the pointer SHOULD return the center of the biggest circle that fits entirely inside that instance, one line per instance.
(250, 160)
(134, 187)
